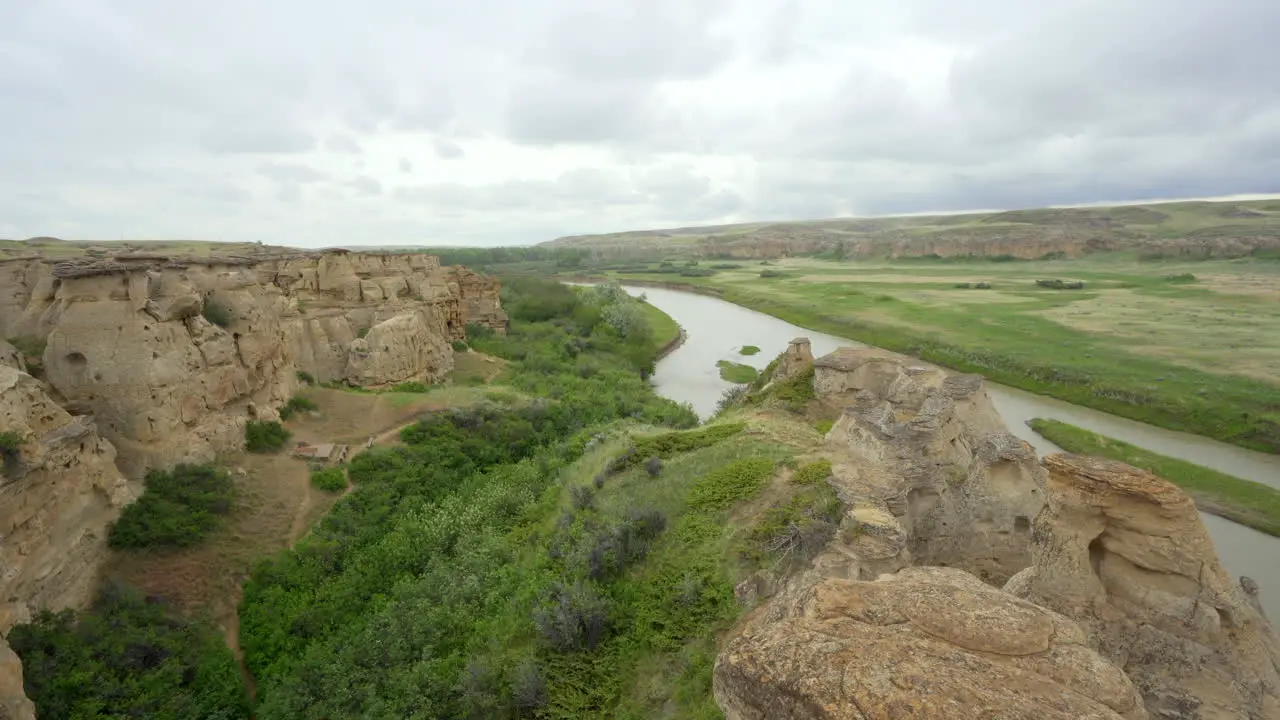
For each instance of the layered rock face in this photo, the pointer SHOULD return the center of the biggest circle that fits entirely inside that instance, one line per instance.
(925, 643)
(931, 473)
(173, 356)
(1124, 552)
(59, 491)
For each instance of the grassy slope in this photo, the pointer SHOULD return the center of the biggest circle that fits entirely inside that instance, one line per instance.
(1243, 501)
(665, 329)
(1203, 356)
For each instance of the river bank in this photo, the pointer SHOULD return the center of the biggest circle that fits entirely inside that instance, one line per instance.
(716, 327)
(1022, 349)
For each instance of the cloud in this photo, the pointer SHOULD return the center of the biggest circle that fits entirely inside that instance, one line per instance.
(612, 115)
(447, 150)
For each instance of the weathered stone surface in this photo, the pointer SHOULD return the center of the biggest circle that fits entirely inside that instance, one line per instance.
(126, 339)
(927, 448)
(797, 358)
(10, 357)
(926, 643)
(14, 704)
(58, 493)
(1124, 552)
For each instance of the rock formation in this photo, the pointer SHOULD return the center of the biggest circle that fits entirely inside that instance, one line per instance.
(930, 643)
(931, 473)
(10, 357)
(59, 491)
(173, 356)
(1124, 552)
(797, 358)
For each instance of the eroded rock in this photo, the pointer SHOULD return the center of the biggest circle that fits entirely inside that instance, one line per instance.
(926, 643)
(1125, 553)
(927, 448)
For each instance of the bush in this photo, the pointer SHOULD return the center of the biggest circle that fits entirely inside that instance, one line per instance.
(177, 508)
(216, 313)
(127, 657)
(10, 442)
(736, 481)
(772, 274)
(794, 531)
(653, 466)
(572, 617)
(297, 404)
(1061, 284)
(668, 444)
(413, 386)
(265, 436)
(812, 473)
(305, 377)
(460, 346)
(330, 479)
(582, 497)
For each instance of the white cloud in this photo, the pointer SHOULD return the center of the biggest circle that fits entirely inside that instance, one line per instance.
(516, 121)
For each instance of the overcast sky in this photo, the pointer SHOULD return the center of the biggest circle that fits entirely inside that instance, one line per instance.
(319, 122)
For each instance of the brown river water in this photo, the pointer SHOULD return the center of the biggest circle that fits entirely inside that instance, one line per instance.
(716, 329)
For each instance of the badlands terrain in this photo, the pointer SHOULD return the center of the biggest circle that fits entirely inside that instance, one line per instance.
(525, 528)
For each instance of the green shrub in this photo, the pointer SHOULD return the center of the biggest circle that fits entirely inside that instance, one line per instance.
(305, 377)
(812, 473)
(772, 274)
(265, 436)
(216, 313)
(297, 404)
(330, 479)
(673, 443)
(824, 426)
(177, 508)
(10, 442)
(412, 386)
(736, 481)
(460, 346)
(361, 333)
(796, 530)
(127, 657)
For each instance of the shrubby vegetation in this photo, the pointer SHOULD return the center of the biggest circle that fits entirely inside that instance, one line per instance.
(297, 404)
(177, 509)
(265, 436)
(127, 658)
(812, 473)
(330, 479)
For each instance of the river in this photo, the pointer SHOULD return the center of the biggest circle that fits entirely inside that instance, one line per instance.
(716, 329)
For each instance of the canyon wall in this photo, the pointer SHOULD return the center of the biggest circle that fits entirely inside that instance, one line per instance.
(173, 356)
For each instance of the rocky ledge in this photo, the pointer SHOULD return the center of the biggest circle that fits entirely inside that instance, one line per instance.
(1103, 595)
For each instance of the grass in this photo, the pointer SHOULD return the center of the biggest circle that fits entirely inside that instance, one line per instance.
(749, 350)
(1242, 501)
(736, 372)
(1142, 340)
(665, 330)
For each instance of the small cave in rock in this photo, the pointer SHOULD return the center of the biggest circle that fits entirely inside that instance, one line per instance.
(77, 360)
(1022, 523)
(1096, 551)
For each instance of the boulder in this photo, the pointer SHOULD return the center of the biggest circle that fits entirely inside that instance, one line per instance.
(926, 643)
(400, 348)
(1125, 553)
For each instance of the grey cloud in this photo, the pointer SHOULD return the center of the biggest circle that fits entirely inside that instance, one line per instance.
(290, 172)
(671, 111)
(448, 150)
(365, 185)
(343, 143)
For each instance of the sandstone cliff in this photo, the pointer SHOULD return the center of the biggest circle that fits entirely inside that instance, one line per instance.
(1117, 606)
(173, 356)
(59, 491)
(1124, 552)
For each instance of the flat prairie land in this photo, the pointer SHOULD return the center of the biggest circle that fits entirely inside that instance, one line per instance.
(1188, 345)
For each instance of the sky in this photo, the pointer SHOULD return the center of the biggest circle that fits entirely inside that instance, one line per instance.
(400, 122)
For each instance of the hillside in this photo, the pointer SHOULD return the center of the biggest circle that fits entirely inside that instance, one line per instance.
(1183, 229)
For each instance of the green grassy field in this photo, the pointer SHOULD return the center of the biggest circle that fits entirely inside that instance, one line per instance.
(736, 372)
(1243, 501)
(1192, 345)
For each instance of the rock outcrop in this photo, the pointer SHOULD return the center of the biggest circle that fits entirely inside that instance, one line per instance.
(59, 491)
(930, 471)
(932, 643)
(10, 357)
(173, 356)
(1124, 553)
